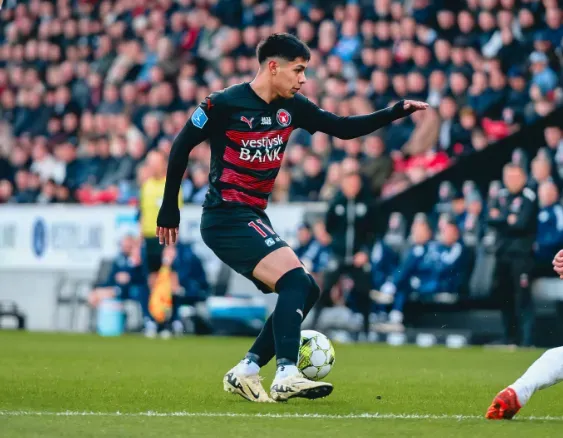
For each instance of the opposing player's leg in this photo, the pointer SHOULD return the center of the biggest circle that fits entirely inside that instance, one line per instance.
(282, 271)
(543, 373)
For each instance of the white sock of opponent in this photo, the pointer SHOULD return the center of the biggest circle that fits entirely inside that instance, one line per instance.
(543, 373)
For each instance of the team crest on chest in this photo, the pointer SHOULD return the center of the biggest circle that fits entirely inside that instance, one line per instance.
(283, 117)
(247, 121)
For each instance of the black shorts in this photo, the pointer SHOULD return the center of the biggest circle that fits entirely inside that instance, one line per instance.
(153, 253)
(241, 237)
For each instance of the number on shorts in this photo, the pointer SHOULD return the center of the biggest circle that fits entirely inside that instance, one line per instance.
(260, 230)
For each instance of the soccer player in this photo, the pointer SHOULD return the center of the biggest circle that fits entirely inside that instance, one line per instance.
(543, 373)
(248, 126)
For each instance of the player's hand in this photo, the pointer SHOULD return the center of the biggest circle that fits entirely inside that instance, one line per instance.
(411, 106)
(167, 224)
(167, 236)
(558, 263)
(512, 219)
(494, 213)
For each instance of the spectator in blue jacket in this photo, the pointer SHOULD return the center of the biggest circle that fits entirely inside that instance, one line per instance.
(431, 267)
(384, 262)
(313, 250)
(418, 264)
(452, 266)
(127, 277)
(550, 229)
(542, 75)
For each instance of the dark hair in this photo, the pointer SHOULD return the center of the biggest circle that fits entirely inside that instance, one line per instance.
(282, 45)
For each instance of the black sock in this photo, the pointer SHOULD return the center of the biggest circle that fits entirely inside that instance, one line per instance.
(264, 348)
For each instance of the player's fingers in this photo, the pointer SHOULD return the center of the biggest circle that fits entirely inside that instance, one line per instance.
(407, 105)
(175, 234)
(172, 236)
(160, 235)
(157, 231)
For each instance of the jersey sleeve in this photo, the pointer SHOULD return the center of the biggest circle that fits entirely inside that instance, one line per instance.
(197, 129)
(312, 118)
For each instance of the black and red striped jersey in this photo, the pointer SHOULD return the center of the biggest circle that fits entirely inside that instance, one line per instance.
(248, 137)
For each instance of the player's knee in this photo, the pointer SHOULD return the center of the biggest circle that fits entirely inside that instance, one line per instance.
(294, 281)
(314, 290)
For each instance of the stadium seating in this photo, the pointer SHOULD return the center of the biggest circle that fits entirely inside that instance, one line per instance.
(88, 88)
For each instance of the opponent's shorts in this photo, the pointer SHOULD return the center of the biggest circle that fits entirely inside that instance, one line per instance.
(241, 237)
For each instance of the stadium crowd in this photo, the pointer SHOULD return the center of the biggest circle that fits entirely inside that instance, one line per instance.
(87, 88)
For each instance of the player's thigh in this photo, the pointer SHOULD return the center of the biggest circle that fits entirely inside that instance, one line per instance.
(275, 265)
(245, 241)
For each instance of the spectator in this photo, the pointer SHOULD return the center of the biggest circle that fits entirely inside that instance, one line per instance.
(542, 75)
(430, 268)
(313, 253)
(471, 222)
(384, 262)
(377, 165)
(550, 229)
(308, 187)
(126, 278)
(119, 79)
(421, 233)
(541, 172)
(6, 191)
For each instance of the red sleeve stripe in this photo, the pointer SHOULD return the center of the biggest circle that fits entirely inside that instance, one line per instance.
(232, 195)
(238, 136)
(232, 156)
(247, 181)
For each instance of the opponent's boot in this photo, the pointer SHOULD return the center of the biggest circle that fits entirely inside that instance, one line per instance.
(504, 406)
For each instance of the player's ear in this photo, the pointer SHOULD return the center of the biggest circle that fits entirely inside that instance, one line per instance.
(273, 66)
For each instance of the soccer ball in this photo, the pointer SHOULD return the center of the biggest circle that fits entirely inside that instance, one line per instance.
(316, 355)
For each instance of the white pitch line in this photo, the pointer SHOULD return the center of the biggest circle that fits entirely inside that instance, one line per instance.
(365, 416)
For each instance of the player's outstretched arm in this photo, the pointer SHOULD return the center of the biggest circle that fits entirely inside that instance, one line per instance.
(192, 134)
(314, 119)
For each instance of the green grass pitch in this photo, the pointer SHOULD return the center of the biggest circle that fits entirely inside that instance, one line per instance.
(61, 385)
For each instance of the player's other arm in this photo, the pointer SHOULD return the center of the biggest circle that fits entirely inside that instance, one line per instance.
(314, 119)
(195, 131)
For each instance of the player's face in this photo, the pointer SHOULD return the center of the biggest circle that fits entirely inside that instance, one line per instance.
(290, 77)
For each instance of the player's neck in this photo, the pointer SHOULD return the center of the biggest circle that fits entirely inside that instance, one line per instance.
(263, 88)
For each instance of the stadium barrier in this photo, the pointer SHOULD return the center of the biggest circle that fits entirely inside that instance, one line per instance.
(51, 254)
